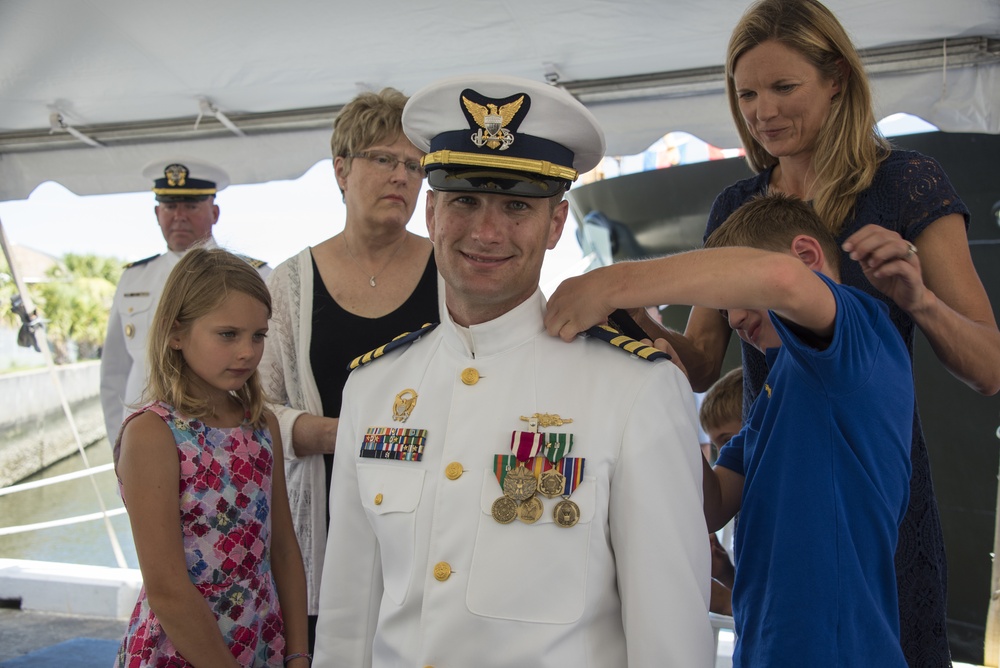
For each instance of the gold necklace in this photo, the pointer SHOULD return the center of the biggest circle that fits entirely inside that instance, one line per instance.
(372, 277)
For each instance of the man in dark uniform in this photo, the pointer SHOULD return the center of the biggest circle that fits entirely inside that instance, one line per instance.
(186, 211)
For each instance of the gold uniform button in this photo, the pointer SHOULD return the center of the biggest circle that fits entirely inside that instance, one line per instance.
(470, 376)
(454, 471)
(130, 330)
(378, 499)
(442, 571)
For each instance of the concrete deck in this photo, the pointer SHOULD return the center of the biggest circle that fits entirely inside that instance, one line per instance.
(55, 615)
(48, 640)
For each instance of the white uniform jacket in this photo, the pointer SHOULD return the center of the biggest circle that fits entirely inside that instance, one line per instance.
(417, 571)
(123, 356)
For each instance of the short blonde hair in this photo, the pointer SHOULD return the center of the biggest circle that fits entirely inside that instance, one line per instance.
(199, 283)
(368, 119)
(723, 402)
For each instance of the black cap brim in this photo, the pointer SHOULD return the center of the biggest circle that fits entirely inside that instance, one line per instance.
(182, 198)
(496, 181)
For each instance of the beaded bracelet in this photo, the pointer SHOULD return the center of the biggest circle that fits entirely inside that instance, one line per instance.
(299, 655)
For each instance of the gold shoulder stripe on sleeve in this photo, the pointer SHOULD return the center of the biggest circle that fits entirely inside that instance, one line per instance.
(626, 343)
(141, 262)
(401, 340)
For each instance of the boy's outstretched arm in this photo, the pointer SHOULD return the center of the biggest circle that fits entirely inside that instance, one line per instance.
(717, 278)
(723, 490)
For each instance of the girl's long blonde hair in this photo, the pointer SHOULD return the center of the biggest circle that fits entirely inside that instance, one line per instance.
(849, 147)
(199, 283)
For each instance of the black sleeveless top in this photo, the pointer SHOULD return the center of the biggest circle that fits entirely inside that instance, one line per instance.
(338, 336)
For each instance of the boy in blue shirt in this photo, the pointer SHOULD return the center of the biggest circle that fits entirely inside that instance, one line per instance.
(820, 471)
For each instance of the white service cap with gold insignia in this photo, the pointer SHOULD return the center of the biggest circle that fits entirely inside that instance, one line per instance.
(502, 134)
(180, 179)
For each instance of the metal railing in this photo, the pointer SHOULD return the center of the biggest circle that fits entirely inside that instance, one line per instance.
(34, 331)
(89, 517)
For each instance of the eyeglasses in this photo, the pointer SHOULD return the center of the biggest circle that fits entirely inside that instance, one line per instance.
(387, 162)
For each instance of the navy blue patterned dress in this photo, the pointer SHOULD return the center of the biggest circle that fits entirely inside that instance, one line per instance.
(910, 191)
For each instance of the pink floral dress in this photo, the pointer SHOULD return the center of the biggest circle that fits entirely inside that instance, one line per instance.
(225, 504)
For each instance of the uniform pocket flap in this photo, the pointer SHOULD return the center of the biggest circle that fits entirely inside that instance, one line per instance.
(389, 489)
(136, 302)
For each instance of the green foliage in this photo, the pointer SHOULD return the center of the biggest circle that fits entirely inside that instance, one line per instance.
(93, 266)
(75, 303)
(7, 290)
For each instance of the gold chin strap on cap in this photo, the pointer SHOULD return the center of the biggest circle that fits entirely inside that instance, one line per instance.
(543, 167)
(184, 191)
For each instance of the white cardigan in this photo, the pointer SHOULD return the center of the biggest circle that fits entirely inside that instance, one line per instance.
(289, 382)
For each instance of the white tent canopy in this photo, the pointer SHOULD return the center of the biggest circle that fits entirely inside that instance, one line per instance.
(254, 86)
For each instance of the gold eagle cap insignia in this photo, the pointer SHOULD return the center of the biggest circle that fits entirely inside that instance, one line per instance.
(176, 175)
(494, 121)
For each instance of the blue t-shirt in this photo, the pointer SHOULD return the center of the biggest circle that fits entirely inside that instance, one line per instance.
(826, 459)
(910, 191)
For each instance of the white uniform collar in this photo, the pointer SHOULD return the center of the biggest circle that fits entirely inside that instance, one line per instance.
(208, 243)
(510, 330)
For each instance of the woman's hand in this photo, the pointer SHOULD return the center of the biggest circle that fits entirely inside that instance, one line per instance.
(664, 346)
(938, 286)
(891, 264)
(314, 435)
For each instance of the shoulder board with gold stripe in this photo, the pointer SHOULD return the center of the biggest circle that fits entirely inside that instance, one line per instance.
(628, 344)
(142, 261)
(401, 340)
(253, 262)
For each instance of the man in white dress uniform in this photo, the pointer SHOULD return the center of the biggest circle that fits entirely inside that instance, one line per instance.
(500, 497)
(185, 211)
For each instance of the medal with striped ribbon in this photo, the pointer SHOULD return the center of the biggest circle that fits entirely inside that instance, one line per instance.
(516, 480)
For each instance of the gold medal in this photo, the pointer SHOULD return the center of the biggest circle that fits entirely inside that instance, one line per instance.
(504, 510)
(566, 513)
(519, 483)
(552, 483)
(530, 510)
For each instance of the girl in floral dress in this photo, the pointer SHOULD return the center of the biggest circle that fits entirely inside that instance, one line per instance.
(200, 470)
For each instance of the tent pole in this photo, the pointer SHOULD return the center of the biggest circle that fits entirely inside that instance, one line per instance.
(991, 649)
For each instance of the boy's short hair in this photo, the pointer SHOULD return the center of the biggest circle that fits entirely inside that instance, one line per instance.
(723, 402)
(770, 222)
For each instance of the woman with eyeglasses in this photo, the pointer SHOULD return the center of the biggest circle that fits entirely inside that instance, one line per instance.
(342, 298)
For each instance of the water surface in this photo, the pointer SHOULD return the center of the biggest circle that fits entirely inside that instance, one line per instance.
(83, 543)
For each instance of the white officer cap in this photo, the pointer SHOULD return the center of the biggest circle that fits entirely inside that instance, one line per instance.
(502, 134)
(180, 179)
